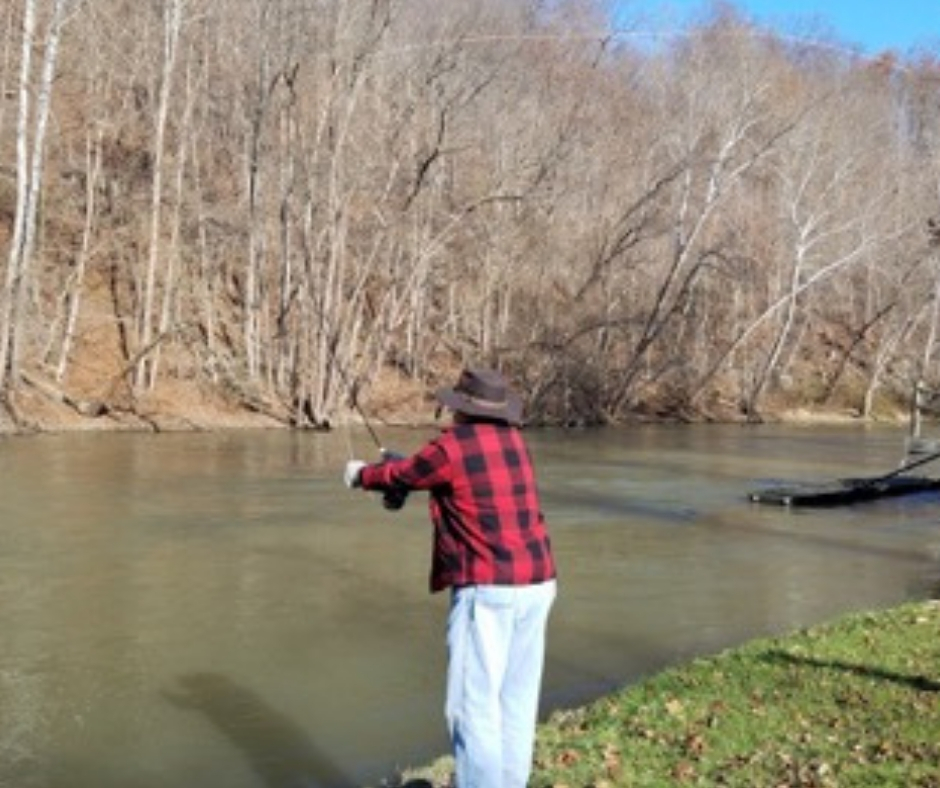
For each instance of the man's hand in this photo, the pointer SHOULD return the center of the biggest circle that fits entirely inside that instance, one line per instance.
(352, 472)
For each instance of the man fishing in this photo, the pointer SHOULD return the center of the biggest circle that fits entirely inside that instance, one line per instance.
(492, 549)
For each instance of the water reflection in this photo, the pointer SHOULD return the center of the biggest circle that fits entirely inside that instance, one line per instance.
(130, 563)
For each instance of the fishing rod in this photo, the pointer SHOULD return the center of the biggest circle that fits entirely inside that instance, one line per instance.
(394, 497)
(354, 401)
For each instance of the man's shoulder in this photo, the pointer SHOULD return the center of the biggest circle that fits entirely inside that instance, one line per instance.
(482, 430)
(483, 437)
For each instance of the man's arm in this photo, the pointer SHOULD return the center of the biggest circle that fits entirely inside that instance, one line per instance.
(429, 467)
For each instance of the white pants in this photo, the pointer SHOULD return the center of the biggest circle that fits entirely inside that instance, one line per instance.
(496, 651)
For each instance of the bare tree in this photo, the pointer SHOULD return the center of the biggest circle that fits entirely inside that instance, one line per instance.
(32, 124)
(172, 26)
(295, 202)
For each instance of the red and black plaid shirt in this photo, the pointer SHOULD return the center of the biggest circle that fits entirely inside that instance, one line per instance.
(488, 523)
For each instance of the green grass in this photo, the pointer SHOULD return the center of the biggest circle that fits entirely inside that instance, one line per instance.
(852, 703)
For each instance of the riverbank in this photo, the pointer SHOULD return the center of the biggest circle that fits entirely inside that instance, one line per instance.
(41, 407)
(849, 703)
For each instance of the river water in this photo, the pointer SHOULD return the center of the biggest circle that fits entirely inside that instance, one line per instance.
(217, 610)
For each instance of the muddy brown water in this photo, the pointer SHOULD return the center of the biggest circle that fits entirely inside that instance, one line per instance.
(217, 610)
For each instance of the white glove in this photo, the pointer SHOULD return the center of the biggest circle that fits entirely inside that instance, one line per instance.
(351, 474)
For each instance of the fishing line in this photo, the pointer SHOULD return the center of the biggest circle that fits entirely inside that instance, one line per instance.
(347, 432)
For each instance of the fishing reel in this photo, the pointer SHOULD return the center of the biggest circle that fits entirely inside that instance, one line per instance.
(394, 497)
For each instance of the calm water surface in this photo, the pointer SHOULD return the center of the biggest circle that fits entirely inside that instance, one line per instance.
(217, 610)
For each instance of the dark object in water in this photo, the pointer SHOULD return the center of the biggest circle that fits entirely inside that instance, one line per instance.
(844, 491)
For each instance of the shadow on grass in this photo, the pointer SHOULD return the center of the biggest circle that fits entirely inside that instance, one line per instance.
(921, 683)
(276, 747)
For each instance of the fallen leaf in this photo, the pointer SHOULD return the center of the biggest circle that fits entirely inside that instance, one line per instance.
(695, 744)
(674, 707)
(569, 758)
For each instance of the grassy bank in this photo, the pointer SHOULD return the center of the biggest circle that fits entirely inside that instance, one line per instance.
(852, 703)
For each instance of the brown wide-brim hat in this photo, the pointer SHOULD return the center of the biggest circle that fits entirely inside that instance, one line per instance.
(483, 393)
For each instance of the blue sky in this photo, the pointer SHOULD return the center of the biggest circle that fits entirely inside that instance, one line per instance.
(871, 25)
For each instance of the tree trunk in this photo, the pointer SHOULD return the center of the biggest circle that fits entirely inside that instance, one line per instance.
(77, 280)
(145, 372)
(30, 158)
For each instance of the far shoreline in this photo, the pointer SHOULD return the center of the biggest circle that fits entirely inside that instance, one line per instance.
(60, 420)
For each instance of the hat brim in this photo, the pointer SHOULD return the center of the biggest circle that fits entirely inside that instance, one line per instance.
(509, 411)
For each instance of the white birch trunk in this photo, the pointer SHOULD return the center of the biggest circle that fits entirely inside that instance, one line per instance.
(144, 374)
(12, 281)
(77, 281)
(30, 157)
